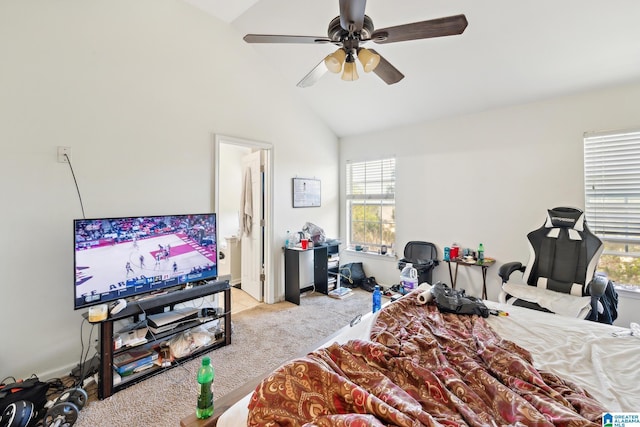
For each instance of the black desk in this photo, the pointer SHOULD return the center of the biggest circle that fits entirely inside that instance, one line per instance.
(292, 283)
(484, 265)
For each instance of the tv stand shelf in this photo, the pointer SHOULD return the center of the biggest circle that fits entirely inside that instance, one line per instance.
(156, 304)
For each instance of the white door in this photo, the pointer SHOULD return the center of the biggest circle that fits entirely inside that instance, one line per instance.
(252, 233)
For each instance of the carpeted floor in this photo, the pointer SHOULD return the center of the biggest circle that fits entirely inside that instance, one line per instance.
(263, 338)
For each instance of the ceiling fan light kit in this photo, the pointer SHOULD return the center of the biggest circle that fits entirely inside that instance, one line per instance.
(335, 60)
(353, 28)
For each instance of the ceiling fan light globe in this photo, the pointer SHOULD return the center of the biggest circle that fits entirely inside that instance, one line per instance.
(333, 65)
(350, 72)
(335, 60)
(368, 59)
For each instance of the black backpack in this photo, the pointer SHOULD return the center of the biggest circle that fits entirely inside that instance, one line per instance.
(455, 301)
(352, 274)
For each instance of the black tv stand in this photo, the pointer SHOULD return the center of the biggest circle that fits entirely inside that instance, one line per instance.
(159, 303)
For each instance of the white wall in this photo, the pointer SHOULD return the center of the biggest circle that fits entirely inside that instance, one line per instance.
(489, 177)
(136, 89)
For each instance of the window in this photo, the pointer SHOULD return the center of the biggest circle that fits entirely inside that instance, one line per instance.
(612, 201)
(371, 206)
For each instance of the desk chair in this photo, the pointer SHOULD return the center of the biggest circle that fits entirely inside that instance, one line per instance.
(424, 258)
(561, 272)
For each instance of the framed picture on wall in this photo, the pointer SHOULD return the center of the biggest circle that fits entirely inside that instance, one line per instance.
(306, 192)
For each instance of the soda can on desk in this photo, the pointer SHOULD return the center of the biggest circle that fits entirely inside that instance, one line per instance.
(446, 253)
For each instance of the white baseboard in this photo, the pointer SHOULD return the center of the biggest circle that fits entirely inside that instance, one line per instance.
(60, 372)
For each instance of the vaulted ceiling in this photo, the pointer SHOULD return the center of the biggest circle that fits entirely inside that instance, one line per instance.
(511, 52)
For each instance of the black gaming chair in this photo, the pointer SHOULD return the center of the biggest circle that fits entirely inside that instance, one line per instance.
(563, 261)
(424, 258)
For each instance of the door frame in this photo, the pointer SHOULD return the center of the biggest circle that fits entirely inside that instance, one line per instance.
(267, 148)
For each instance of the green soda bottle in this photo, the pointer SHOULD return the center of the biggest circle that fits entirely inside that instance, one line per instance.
(205, 381)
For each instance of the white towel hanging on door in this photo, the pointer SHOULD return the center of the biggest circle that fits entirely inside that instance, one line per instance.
(246, 203)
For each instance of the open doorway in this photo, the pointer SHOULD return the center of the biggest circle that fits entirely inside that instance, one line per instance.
(242, 194)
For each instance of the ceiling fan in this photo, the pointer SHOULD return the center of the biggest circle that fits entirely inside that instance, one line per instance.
(352, 29)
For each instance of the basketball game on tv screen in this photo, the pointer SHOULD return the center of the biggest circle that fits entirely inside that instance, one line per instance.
(123, 257)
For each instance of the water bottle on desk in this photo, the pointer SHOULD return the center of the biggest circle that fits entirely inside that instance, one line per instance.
(205, 397)
(377, 298)
(480, 253)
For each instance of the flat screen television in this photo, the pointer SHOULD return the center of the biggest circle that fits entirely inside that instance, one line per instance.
(125, 257)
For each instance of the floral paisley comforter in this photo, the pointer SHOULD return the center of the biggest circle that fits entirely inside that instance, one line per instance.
(421, 367)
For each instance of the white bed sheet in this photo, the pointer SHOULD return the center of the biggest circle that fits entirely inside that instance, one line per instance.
(584, 352)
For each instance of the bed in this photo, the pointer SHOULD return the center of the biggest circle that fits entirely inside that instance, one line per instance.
(409, 364)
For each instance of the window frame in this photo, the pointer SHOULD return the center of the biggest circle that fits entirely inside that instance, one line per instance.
(612, 196)
(371, 183)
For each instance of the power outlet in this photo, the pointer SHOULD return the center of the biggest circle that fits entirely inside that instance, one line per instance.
(64, 154)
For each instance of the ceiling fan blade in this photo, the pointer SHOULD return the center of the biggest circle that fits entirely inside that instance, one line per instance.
(272, 38)
(386, 71)
(440, 27)
(352, 14)
(313, 76)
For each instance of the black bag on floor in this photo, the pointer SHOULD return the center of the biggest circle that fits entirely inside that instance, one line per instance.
(352, 274)
(32, 390)
(369, 284)
(455, 301)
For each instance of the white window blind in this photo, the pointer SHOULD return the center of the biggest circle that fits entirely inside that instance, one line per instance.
(612, 185)
(371, 180)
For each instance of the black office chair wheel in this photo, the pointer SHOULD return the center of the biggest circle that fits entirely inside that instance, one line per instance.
(76, 395)
(62, 414)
